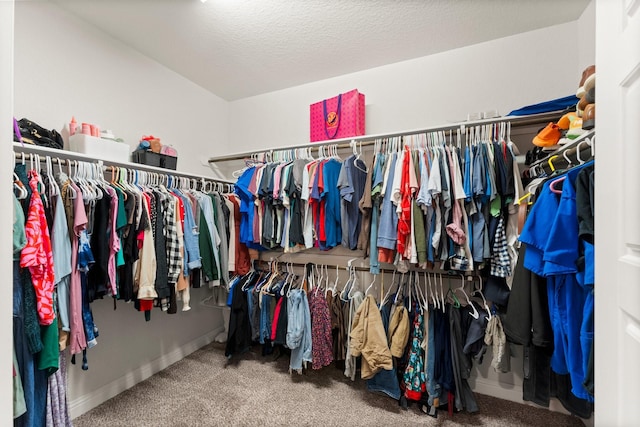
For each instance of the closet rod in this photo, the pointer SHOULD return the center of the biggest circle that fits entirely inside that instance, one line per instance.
(366, 140)
(366, 269)
(64, 155)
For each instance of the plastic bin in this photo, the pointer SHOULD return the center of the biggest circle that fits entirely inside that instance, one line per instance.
(99, 148)
(150, 158)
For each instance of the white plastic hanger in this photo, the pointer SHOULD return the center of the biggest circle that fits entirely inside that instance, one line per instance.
(442, 296)
(484, 301)
(386, 296)
(19, 186)
(375, 276)
(345, 295)
(432, 291)
(475, 313)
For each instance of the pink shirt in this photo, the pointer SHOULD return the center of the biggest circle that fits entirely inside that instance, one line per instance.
(114, 240)
(78, 340)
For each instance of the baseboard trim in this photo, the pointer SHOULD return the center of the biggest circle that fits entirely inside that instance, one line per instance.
(510, 392)
(89, 401)
(513, 394)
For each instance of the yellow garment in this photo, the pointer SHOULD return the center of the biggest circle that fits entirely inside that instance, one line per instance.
(398, 331)
(368, 339)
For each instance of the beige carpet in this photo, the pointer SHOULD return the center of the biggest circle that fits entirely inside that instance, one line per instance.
(205, 389)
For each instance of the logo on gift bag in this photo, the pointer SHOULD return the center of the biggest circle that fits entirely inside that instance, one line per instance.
(332, 119)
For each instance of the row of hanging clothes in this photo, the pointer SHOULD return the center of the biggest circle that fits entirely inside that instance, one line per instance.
(551, 305)
(78, 237)
(415, 342)
(434, 199)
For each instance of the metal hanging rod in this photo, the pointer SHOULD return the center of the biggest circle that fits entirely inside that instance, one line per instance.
(367, 140)
(446, 273)
(27, 150)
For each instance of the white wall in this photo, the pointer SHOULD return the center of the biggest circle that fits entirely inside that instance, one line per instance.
(65, 68)
(6, 215)
(502, 74)
(585, 39)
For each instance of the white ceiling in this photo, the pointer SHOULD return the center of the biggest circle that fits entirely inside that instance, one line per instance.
(240, 48)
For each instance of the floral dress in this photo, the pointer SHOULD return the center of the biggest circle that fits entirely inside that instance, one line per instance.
(414, 376)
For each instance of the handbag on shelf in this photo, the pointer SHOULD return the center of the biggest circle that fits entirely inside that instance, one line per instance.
(32, 133)
(339, 117)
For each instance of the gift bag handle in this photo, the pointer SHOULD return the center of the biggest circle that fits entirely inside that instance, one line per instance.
(324, 110)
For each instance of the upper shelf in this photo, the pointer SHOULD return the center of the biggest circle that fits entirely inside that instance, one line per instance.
(72, 155)
(516, 122)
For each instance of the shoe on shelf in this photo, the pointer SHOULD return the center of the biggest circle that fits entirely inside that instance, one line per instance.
(591, 95)
(589, 117)
(582, 103)
(586, 74)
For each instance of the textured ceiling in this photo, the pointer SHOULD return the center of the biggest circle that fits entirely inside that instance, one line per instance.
(240, 48)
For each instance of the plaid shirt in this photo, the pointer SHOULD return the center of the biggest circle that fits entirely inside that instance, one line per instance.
(500, 260)
(174, 254)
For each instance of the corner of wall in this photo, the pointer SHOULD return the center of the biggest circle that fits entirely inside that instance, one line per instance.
(6, 156)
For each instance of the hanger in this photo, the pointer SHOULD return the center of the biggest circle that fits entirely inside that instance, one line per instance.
(354, 284)
(484, 301)
(475, 313)
(54, 190)
(456, 301)
(442, 296)
(420, 295)
(550, 162)
(334, 288)
(579, 148)
(19, 186)
(399, 290)
(366, 292)
(431, 293)
(552, 184)
(410, 293)
(70, 189)
(565, 154)
(319, 277)
(344, 295)
(386, 296)
(326, 279)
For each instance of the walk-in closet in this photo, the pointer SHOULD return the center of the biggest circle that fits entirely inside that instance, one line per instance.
(320, 213)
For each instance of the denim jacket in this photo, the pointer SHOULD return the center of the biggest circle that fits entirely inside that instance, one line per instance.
(192, 259)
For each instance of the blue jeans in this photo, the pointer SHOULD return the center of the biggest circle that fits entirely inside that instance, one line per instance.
(34, 381)
(265, 319)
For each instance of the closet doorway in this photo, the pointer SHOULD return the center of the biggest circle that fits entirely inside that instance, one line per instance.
(617, 349)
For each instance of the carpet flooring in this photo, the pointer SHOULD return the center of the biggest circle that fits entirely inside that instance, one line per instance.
(206, 389)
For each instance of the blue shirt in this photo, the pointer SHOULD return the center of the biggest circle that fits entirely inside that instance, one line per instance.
(388, 228)
(192, 258)
(333, 228)
(246, 205)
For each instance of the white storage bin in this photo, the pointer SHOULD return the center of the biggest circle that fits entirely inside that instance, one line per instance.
(99, 148)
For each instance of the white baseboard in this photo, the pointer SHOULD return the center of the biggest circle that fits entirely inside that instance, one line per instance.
(512, 393)
(89, 401)
(509, 392)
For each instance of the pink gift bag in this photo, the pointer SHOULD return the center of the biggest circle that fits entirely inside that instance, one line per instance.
(339, 117)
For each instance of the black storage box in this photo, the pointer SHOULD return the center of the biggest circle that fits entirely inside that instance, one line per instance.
(149, 158)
